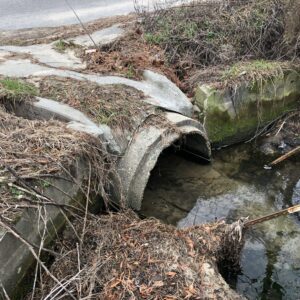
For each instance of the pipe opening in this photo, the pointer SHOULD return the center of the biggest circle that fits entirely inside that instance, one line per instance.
(163, 193)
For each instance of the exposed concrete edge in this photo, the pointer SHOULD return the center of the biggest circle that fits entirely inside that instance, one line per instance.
(135, 166)
(47, 109)
(101, 37)
(158, 89)
(16, 260)
(217, 287)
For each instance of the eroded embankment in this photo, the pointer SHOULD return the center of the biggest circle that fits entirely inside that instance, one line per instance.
(48, 177)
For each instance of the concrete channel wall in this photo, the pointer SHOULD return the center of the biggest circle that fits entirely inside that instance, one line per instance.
(16, 259)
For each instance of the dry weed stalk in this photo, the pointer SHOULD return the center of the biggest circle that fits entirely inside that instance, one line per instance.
(34, 152)
(207, 33)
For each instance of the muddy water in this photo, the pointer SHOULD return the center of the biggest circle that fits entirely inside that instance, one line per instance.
(184, 193)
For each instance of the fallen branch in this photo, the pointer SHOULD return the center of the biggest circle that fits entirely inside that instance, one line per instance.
(283, 212)
(285, 156)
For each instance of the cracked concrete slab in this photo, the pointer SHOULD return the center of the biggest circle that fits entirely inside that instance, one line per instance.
(100, 37)
(46, 54)
(46, 109)
(160, 91)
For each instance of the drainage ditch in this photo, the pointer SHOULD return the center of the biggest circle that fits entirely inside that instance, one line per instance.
(183, 192)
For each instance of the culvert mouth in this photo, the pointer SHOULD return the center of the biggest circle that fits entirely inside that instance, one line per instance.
(147, 144)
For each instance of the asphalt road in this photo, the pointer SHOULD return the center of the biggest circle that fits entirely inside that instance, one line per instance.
(17, 14)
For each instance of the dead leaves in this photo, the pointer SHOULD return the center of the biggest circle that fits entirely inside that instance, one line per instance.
(190, 291)
(171, 274)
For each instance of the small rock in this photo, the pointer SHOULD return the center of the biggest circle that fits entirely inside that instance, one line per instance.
(267, 149)
(196, 109)
(90, 51)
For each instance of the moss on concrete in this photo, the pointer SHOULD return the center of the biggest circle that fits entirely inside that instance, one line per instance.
(232, 114)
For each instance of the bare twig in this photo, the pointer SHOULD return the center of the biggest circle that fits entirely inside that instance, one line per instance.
(285, 156)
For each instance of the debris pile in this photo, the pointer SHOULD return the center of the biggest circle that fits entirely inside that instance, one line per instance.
(130, 56)
(123, 257)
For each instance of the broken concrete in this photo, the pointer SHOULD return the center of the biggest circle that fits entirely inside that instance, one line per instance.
(49, 55)
(134, 167)
(46, 109)
(46, 54)
(139, 151)
(100, 37)
(137, 155)
(161, 92)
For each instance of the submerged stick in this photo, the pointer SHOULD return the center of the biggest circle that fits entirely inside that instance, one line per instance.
(283, 212)
(285, 156)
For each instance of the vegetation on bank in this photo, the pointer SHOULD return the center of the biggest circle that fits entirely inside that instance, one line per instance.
(200, 34)
(253, 71)
(15, 89)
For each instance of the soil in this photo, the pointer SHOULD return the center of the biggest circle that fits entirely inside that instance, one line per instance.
(129, 56)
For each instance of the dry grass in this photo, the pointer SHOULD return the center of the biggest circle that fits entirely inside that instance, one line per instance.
(122, 257)
(200, 34)
(114, 105)
(33, 150)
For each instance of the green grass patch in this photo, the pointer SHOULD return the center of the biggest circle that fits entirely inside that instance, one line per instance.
(62, 45)
(252, 71)
(16, 89)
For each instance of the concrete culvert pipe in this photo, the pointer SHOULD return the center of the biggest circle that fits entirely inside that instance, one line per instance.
(147, 144)
(138, 148)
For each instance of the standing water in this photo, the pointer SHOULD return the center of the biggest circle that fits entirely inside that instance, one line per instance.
(236, 185)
